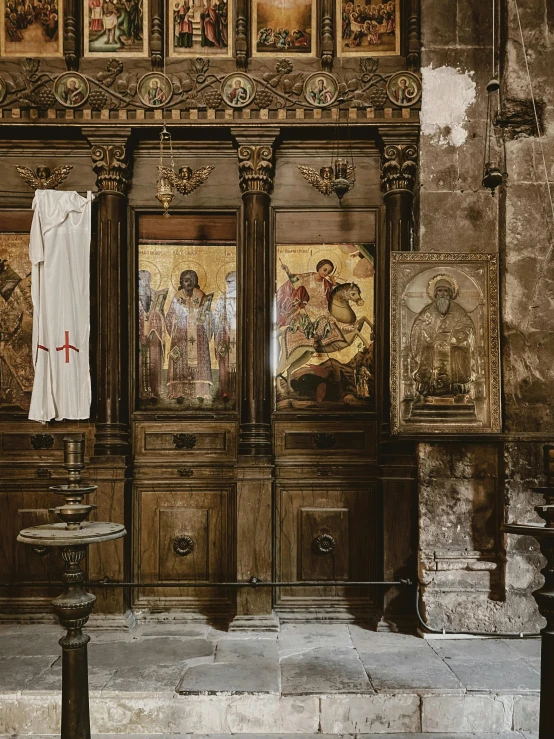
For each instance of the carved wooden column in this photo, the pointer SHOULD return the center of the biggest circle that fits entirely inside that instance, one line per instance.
(255, 463)
(413, 58)
(327, 44)
(241, 35)
(70, 41)
(157, 36)
(110, 161)
(398, 174)
(109, 467)
(397, 457)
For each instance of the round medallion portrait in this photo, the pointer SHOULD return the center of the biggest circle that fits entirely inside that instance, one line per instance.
(71, 89)
(238, 90)
(321, 89)
(3, 88)
(404, 89)
(154, 90)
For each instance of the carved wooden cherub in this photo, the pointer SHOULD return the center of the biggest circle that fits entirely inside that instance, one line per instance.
(324, 181)
(187, 180)
(44, 178)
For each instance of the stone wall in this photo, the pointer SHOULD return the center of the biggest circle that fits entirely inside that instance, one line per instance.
(475, 578)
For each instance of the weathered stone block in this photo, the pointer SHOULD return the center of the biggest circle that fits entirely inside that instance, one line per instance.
(471, 713)
(471, 224)
(372, 713)
(438, 24)
(526, 712)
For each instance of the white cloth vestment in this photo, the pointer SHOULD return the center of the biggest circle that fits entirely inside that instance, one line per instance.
(59, 249)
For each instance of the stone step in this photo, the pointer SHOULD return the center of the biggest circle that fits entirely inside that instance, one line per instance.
(511, 735)
(38, 712)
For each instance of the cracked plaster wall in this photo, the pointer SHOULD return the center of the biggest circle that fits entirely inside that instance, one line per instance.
(474, 577)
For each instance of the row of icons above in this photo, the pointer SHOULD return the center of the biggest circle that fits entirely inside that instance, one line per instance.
(238, 90)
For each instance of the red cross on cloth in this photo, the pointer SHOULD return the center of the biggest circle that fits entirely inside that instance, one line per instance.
(67, 346)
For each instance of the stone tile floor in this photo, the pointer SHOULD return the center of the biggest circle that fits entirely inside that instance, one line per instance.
(299, 660)
(343, 668)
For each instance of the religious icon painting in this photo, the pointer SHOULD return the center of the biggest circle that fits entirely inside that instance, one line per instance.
(445, 375)
(113, 28)
(16, 324)
(200, 29)
(238, 90)
(71, 89)
(404, 89)
(321, 89)
(324, 327)
(31, 29)
(283, 27)
(368, 29)
(187, 326)
(154, 90)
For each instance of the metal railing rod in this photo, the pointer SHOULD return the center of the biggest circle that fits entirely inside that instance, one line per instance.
(106, 583)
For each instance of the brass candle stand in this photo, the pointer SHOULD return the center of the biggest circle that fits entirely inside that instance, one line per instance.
(73, 607)
(544, 534)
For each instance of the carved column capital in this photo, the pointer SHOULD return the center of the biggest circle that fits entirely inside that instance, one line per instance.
(256, 151)
(398, 167)
(255, 167)
(111, 159)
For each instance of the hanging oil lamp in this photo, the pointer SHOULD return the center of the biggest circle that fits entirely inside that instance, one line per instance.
(164, 192)
(339, 178)
(494, 161)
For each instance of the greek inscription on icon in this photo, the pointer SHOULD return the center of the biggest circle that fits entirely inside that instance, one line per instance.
(444, 347)
(324, 327)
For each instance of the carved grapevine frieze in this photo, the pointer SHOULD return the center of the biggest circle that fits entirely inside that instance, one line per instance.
(193, 87)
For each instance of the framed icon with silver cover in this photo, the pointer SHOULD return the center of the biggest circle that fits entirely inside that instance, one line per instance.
(445, 364)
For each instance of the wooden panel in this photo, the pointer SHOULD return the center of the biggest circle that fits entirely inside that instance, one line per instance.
(183, 552)
(31, 565)
(16, 221)
(194, 227)
(347, 512)
(323, 544)
(326, 440)
(176, 442)
(20, 508)
(170, 512)
(325, 227)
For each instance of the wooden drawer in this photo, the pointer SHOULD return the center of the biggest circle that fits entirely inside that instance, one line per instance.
(49, 473)
(185, 441)
(33, 442)
(179, 471)
(325, 470)
(329, 440)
